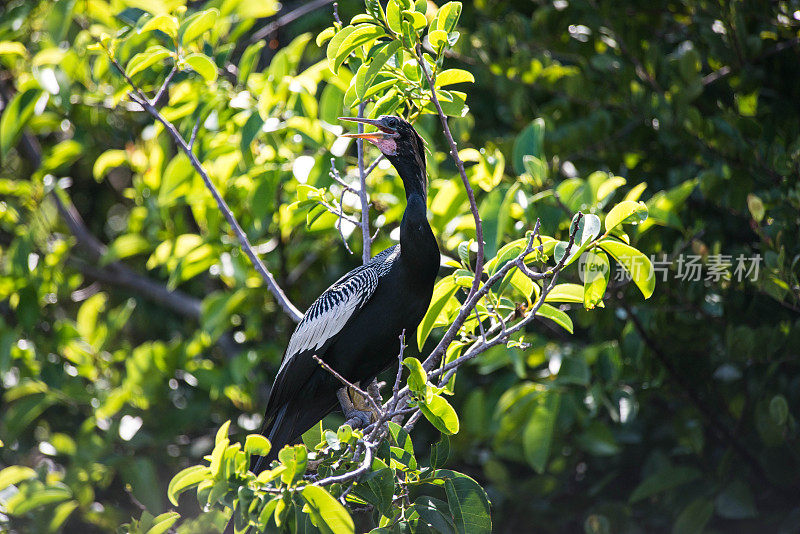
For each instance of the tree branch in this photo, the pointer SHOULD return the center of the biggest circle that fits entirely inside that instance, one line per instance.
(366, 238)
(139, 97)
(288, 18)
(433, 359)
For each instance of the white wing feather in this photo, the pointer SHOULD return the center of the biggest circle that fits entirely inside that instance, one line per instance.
(331, 311)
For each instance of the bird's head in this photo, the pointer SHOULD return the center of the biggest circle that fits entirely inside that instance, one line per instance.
(395, 137)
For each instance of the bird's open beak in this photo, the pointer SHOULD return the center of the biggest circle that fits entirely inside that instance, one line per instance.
(383, 132)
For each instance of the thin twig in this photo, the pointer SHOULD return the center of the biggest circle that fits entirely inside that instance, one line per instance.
(474, 350)
(195, 129)
(433, 360)
(366, 238)
(373, 165)
(138, 96)
(339, 222)
(164, 85)
(289, 17)
(347, 383)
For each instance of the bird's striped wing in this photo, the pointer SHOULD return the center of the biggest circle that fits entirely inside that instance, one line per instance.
(331, 311)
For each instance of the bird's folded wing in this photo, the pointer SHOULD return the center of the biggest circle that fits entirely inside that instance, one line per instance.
(331, 311)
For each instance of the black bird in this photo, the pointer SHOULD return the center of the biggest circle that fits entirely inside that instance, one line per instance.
(355, 325)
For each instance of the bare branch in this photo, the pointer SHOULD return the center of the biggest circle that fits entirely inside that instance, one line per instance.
(373, 165)
(366, 238)
(138, 96)
(432, 360)
(289, 17)
(349, 384)
(164, 85)
(478, 348)
(196, 128)
(365, 466)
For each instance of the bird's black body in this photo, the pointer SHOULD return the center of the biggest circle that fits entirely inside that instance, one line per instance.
(355, 325)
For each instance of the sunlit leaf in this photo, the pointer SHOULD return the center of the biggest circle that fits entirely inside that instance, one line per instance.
(635, 262)
(197, 24)
(326, 513)
(627, 212)
(441, 415)
(202, 65)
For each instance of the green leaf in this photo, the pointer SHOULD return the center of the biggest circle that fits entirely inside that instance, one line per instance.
(197, 24)
(447, 17)
(637, 264)
(257, 444)
(435, 514)
(125, 246)
(14, 475)
(557, 316)
(565, 293)
(444, 290)
(16, 116)
(778, 409)
(166, 23)
(440, 452)
(375, 66)
(437, 39)
(756, 207)
(249, 60)
(507, 253)
(626, 212)
(441, 415)
(142, 60)
(296, 460)
(325, 35)
(519, 281)
(185, 479)
(377, 488)
(176, 181)
(417, 377)
(394, 16)
(61, 513)
(736, 502)
(693, 518)
(163, 522)
(529, 142)
(202, 65)
(469, 506)
(595, 270)
(609, 186)
(451, 76)
(588, 229)
(108, 160)
(386, 104)
(403, 454)
(326, 513)
(664, 479)
(313, 436)
(8, 48)
(362, 34)
(34, 496)
(537, 437)
(374, 8)
(336, 42)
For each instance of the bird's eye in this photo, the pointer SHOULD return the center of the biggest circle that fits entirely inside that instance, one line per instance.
(392, 122)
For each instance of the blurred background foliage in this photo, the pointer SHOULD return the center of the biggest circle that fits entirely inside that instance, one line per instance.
(131, 326)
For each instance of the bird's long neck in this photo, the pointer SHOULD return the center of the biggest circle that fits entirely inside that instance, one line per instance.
(417, 243)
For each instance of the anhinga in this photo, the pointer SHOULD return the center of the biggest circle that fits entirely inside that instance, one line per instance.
(355, 325)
